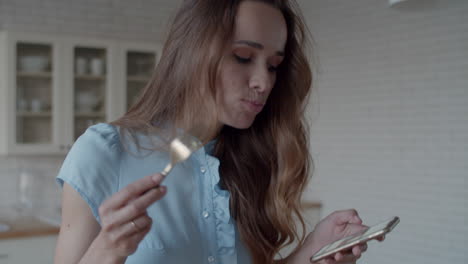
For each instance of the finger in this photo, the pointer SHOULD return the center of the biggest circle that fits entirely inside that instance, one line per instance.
(329, 260)
(137, 206)
(381, 238)
(363, 248)
(133, 190)
(347, 216)
(353, 229)
(140, 235)
(357, 251)
(130, 243)
(346, 258)
(338, 256)
(140, 224)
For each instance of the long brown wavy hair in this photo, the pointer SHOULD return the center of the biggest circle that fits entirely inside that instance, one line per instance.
(265, 167)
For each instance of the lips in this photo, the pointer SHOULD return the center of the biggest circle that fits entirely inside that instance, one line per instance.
(254, 106)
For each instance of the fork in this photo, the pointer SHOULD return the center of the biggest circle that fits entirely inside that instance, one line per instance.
(180, 149)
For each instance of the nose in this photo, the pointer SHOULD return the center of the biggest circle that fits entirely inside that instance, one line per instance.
(261, 80)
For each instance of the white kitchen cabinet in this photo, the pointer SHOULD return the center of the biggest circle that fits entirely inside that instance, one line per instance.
(139, 61)
(87, 92)
(29, 90)
(52, 87)
(38, 250)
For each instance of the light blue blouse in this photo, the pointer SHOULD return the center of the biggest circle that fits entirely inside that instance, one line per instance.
(191, 224)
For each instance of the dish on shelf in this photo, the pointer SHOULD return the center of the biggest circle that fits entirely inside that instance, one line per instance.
(88, 102)
(33, 63)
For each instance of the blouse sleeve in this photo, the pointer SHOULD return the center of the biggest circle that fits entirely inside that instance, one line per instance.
(92, 166)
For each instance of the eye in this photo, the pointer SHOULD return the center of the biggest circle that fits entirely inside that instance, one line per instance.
(242, 60)
(274, 64)
(272, 69)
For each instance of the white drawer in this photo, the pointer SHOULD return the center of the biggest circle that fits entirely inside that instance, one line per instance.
(37, 250)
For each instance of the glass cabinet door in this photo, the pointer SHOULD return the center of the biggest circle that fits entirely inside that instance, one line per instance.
(90, 78)
(140, 66)
(34, 93)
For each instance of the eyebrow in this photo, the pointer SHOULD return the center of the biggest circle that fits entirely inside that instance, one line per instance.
(256, 45)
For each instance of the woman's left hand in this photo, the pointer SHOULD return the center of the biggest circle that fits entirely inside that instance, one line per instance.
(335, 226)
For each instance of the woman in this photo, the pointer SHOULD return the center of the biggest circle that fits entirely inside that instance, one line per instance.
(234, 74)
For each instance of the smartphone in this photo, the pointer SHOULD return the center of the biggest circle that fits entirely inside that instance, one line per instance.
(358, 238)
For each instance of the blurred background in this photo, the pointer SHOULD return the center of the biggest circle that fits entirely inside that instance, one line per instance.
(389, 112)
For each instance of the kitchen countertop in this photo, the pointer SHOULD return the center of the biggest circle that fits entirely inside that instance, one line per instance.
(27, 226)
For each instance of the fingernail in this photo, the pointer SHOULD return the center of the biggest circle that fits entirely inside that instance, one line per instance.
(162, 189)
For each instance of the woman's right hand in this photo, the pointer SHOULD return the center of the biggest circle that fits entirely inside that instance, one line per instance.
(124, 219)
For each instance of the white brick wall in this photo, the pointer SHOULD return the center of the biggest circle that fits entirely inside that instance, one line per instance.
(2, 11)
(39, 171)
(390, 122)
(8, 186)
(139, 19)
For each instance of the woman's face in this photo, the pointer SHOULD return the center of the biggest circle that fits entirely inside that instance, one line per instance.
(248, 71)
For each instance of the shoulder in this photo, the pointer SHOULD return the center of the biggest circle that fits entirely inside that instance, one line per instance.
(97, 149)
(101, 135)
